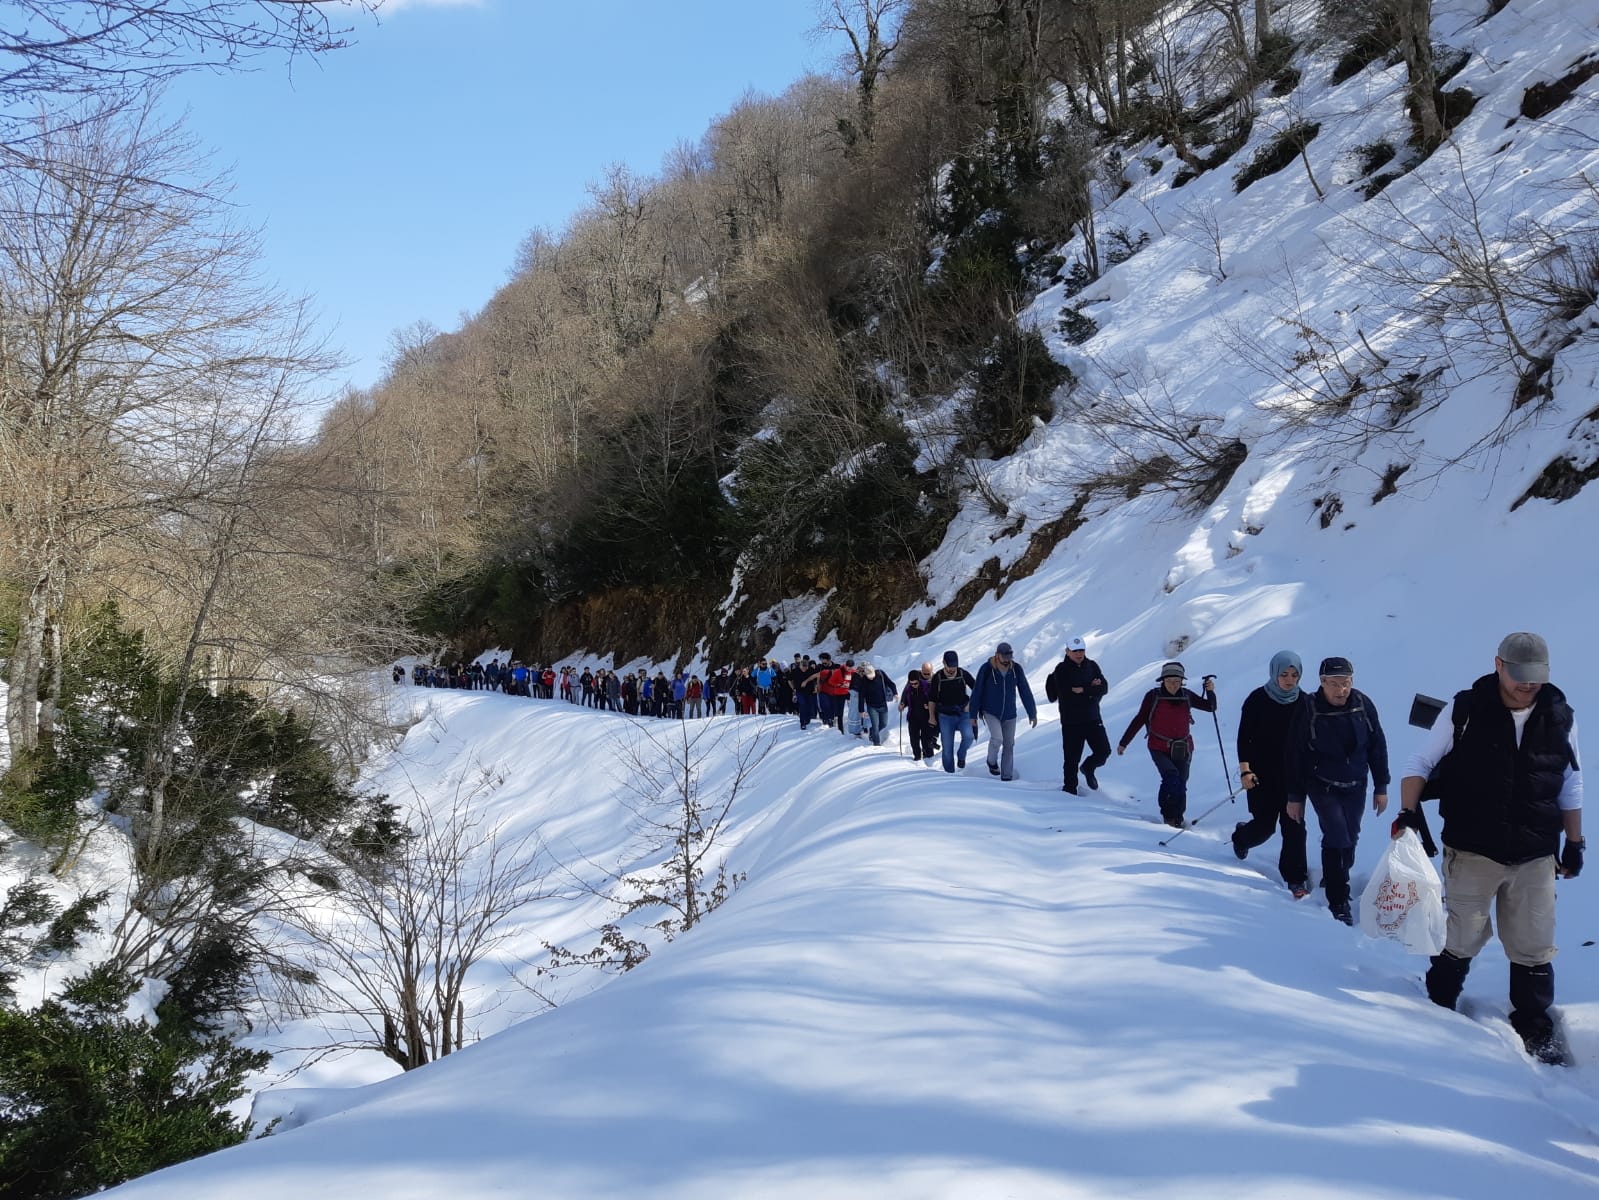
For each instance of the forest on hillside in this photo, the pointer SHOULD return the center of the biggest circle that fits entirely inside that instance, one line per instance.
(709, 371)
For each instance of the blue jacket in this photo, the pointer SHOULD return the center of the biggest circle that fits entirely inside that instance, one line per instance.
(996, 690)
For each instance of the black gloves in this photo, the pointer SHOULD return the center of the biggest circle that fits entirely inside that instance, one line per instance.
(1414, 818)
(1408, 818)
(1571, 858)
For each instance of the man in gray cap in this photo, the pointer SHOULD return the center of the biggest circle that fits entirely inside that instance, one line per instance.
(1506, 771)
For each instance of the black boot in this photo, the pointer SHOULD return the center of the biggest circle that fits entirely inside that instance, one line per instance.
(1335, 876)
(1532, 991)
(1445, 978)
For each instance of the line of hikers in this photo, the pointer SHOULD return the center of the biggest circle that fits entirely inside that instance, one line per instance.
(1504, 765)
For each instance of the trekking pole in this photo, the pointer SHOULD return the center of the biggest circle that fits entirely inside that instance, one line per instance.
(1232, 793)
(900, 752)
(1196, 821)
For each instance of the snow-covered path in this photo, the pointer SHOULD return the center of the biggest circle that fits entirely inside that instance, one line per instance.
(936, 986)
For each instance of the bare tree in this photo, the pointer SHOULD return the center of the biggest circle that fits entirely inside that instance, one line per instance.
(395, 946)
(1202, 228)
(55, 48)
(1151, 443)
(683, 785)
(870, 26)
(130, 326)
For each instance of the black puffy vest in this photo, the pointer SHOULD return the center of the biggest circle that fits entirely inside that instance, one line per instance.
(1499, 800)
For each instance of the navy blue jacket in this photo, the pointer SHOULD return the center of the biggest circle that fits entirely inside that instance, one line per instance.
(996, 690)
(1331, 749)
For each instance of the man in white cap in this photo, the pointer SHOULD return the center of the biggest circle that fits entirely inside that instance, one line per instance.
(1506, 771)
(1078, 685)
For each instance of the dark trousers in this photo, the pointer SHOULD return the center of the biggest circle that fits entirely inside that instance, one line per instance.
(1073, 735)
(1339, 815)
(924, 738)
(1267, 805)
(1173, 796)
(807, 708)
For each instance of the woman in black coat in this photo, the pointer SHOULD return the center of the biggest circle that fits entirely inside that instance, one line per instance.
(1263, 729)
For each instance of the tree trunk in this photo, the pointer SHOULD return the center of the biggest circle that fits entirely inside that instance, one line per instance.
(1421, 95)
(22, 683)
(1262, 24)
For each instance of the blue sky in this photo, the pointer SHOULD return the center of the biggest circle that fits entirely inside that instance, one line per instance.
(394, 180)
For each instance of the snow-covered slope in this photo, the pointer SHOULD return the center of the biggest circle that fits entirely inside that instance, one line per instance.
(946, 986)
(953, 987)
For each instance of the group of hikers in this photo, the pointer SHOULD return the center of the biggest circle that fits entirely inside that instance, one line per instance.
(1504, 766)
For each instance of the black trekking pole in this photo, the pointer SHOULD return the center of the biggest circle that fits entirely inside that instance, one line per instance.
(1232, 793)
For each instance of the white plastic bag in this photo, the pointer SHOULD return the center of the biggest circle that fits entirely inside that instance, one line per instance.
(1405, 898)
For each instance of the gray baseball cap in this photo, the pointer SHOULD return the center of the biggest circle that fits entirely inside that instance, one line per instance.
(1526, 657)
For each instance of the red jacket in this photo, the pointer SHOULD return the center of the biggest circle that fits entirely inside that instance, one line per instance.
(835, 682)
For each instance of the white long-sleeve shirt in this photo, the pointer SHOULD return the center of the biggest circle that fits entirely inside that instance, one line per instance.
(1441, 739)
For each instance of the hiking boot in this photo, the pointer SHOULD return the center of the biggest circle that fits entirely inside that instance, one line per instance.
(1341, 912)
(1239, 852)
(1068, 789)
(993, 768)
(1299, 890)
(1174, 821)
(1089, 777)
(960, 763)
(1547, 1047)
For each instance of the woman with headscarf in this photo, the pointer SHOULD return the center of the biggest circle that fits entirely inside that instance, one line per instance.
(1263, 770)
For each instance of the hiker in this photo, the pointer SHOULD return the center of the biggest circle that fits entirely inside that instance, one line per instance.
(1077, 685)
(1337, 740)
(917, 706)
(952, 693)
(763, 675)
(875, 690)
(1000, 682)
(746, 689)
(1505, 768)
(1167, 711)
(803, 676)
(1263, 728)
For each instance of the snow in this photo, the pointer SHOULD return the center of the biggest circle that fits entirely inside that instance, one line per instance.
(951, 987)
(945, 986)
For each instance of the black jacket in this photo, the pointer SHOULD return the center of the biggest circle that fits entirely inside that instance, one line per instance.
(952, 695)
(1077, 708)
(1263, 729)
(1497, 799)
(875, 692)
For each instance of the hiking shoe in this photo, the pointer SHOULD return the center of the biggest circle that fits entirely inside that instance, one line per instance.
(1341, 912)
(1547, 1048)
(1299, 890)
(1091, 779)
(1068, 789)
(993, 768)
(960, 763)
(1174, 822)
(1239, 852)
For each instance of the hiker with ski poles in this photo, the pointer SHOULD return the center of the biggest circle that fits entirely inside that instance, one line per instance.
(1166, 712)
